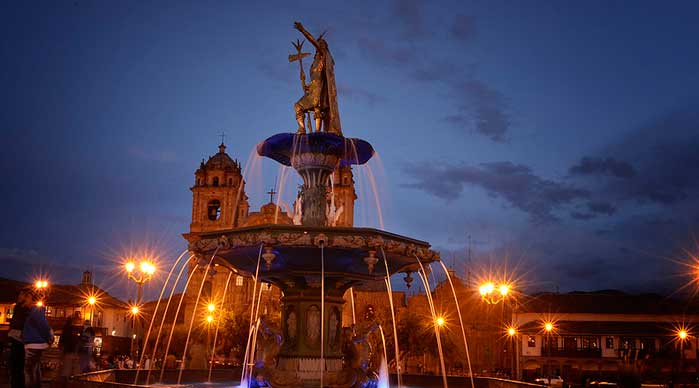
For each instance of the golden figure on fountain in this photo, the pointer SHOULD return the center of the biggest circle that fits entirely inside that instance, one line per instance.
(320, 96)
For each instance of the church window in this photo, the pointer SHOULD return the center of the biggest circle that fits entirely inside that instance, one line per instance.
(238, 281)
(230, 181)
(214, 210)
(345, 181)
(215, 181)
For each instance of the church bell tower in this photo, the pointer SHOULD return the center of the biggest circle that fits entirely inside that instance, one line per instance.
(219, 201)
(345, 195)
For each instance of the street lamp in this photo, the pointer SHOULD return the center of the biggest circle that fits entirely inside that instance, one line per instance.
(440, 321)
(140, 274)
(513, 334)
(549, 327)
(134, 310)
(92, 300)
(492, 293)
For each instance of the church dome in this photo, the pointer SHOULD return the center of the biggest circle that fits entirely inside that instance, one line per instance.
(269, 213)
(221, 161)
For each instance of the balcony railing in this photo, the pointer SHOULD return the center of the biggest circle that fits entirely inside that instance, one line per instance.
(561, 352)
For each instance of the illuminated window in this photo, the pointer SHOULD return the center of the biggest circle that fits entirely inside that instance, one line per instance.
(238, 280)
(609, 342)
(531, 341)
(214, 210)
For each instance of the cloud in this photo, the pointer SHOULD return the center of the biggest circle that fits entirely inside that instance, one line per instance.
(377, 50)
(481, 108)
(463, 28)
(600, 166)
(409, 14)
(601, 207)
(354, 92)
(665, 167)
(515, 183)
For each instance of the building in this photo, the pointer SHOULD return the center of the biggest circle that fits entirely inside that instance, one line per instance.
(599, 334)
(108, 315)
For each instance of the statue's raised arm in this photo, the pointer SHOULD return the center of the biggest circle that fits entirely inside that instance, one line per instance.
(305, 33)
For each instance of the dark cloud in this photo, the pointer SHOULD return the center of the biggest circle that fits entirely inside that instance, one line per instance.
(601, 207)
(665, 167)
(409, 14)
(481, 108)
(515, 183)
(358, 93)
(582, 216)
(464, 28)
(600, 166)
(378, 50)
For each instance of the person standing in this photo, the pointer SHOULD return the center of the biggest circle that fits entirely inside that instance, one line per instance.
(19, 316)
(87, 340)
(68, 342)
(37, 336)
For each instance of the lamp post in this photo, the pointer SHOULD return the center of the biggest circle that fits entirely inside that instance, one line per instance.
(493, 293)
(139, 275)
(682, 337)
(209, 320)
(514, 337)
(91, 300)
(548, 329)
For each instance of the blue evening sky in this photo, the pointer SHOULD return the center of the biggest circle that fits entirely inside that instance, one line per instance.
(560, 136)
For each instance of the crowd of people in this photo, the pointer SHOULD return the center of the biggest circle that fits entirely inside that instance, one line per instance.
(30, 335)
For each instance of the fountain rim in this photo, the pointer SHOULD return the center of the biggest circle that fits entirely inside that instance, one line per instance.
(310, 229)
(280, 147)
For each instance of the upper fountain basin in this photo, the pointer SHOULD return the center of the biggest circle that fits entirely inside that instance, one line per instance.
(286, 148)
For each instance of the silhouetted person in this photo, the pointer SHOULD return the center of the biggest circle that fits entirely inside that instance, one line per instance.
(69, 343)
(87, 340)
(19, 316)
(37, 337)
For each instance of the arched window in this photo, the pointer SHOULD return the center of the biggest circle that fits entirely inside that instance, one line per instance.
(215, 181)
(230, 181)
(345, 181)
(199, 182)
(214, 210)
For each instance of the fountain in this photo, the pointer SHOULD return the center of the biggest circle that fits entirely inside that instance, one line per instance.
(313, 263)
(311, 259)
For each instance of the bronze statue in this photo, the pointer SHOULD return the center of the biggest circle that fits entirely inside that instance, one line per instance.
(320, 96)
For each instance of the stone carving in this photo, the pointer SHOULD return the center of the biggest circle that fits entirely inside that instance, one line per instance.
(291, 325)
(334, 326)
(350, 241)
(312, 324)
(292, 239)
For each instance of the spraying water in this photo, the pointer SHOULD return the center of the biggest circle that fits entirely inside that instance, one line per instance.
(383, 375)
(428, 292)
(461, 323)
(162, 321)
(218, 324)
(322, 314)
(252, 312)
(191, 321)
(172, 330)
(389, 289)
(150, 326)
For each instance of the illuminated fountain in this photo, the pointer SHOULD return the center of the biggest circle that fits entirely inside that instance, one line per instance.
(313, 263)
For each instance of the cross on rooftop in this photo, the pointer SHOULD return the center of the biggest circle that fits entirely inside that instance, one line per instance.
(271, 193)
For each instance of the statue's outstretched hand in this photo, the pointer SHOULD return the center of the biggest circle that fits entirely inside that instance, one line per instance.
(298, 26)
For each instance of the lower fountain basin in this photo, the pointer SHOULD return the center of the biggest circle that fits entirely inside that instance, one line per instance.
(351, 254)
